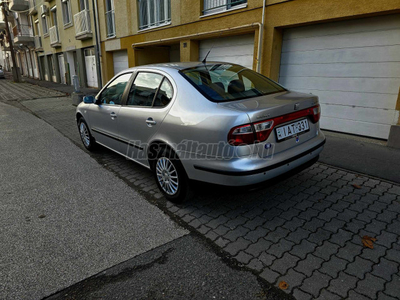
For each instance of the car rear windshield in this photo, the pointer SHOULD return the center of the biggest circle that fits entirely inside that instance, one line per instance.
(226, 82)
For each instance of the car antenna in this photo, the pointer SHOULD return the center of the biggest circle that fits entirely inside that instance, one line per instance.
(205, 58)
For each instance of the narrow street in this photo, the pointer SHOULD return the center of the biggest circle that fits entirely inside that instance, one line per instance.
(68, 215)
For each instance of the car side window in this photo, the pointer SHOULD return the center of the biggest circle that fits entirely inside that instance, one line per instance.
(164, 95)
(112, 94)
(144, 89)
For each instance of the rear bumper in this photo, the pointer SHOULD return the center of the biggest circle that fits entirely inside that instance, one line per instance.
(248, 171)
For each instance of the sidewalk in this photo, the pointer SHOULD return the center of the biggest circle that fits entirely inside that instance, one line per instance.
(66, 89)
(362, 155)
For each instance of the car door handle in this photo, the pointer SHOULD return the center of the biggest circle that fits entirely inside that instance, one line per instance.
(150, 122)
(113, 115)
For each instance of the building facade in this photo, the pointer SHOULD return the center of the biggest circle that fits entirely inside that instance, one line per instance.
(54, 40)
(5, 40)
(64, 40)
(345, 51)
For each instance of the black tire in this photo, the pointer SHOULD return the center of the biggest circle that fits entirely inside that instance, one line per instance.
(171, 177)
(86, 137)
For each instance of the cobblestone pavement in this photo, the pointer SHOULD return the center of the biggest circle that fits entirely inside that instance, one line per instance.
(19, 91)
(305, 230)
(67, 89)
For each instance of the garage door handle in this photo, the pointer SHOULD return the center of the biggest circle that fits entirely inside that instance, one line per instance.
(150, 122)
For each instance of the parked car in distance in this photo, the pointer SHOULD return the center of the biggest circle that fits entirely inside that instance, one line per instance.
(2, 74)
(214, 122)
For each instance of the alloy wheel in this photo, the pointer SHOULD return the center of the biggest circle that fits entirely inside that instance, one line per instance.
(84, 134)
(167, 176)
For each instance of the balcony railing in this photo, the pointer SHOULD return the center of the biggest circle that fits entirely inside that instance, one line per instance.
(23, 34)
(54, 37)
(38, 43)
(216, 6)
(83, 28)
(110, 19)
(22, 30)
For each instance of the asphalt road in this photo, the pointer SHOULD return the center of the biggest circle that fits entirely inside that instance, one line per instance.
(64, 217)
(186, 268)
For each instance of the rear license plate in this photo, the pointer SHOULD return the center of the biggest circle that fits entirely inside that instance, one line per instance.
(292, 129)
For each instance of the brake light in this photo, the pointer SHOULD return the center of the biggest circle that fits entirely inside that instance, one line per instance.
(263, 129)
(260, 131)
(241, 135)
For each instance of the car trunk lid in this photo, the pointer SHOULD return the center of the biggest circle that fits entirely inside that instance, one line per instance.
(274, 105)
(268, 107)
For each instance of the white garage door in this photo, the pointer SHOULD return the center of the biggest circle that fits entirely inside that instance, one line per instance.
(237, 49)
(354, 68)
(120, 59)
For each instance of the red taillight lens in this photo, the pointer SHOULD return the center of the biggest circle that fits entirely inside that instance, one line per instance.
(241, 135)
(263, 129)
(316, 113)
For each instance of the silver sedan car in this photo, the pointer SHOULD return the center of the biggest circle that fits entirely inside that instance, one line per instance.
(214, 122)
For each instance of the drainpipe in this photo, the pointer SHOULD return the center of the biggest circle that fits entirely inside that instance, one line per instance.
(98, 49)
(260, 38)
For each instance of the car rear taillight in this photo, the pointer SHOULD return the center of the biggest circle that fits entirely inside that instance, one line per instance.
(260, 131)
(263, 129)
(241, 135)
(316, 113)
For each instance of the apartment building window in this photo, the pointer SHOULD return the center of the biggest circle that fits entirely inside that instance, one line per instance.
(217, 6)
(45, 26)
(83, 4)
(53, 15)
(110, 18)
(66, 11)
(153, 13)
(36, 28)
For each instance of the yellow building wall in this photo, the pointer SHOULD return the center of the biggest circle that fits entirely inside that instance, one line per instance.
(67, 33)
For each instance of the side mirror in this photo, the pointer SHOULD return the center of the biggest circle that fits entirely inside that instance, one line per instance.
(88, 99)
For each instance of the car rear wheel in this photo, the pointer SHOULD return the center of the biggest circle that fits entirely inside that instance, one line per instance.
(86, 136)
(171, 177)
